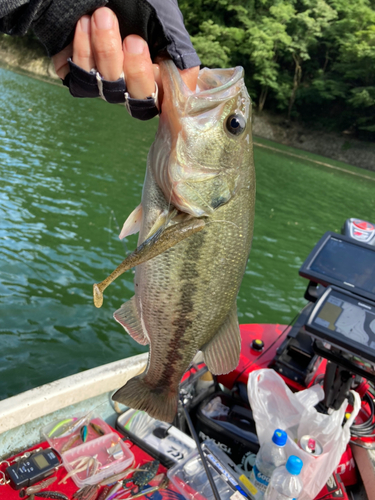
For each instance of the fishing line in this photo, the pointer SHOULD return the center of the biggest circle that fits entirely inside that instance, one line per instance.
(199, 196)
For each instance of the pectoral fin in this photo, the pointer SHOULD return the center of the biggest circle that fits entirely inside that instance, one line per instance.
(132, 225)
(129, 318)
(158, 243)
(222, 353)
(162, 221)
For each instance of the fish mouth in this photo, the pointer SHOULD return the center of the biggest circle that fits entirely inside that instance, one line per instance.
(213, 86)
(213, 81)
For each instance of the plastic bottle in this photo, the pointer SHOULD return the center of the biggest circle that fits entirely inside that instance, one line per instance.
(270, 456)
(285, 483)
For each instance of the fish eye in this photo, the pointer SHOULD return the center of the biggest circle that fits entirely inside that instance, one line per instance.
(236, 124)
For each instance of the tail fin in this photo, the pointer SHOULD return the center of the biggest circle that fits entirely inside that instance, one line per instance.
(158, 403)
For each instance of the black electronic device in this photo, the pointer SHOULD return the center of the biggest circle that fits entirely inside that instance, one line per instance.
(33, 468)
(345, 321)
(340, 260)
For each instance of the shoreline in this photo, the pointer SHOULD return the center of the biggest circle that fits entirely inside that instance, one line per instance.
(344, 148)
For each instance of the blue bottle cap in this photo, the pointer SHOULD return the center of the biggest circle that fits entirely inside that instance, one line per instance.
(279, 437)
(294, 465)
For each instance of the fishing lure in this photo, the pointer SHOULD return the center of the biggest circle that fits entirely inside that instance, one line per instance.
(94, 464)
(147, 491)
(104, 493)
(54, 495)
(142, 477)
(75, 425)
(41, 486)
(70, 443)
(86, 493)
(96, 428)
(83, 433)
(59, 425)
(83, 463)
(118, 477)
(113, 491)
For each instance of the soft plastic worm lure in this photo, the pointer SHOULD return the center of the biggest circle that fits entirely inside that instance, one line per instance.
(86, 493)
(104, 493)
(94, 464)
(147, 491)
(83, 463)
(113, 491)
(148, 472)
(70, 443)
(54, 495)
(38, 487)
(118, 477)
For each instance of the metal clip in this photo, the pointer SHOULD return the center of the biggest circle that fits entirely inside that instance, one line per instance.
(4, 480)
(100, 85)
(154, 96)
(127, 103)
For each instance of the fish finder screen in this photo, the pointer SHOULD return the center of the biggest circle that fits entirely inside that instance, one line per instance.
(346, 262)
(349, 317)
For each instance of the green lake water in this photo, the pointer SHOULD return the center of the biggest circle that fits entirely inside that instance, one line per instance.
(70, 173)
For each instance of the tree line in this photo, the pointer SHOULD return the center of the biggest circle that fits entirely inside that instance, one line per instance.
(311, 59)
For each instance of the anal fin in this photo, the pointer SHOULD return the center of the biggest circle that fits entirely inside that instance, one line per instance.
(129, 318)
(222, 353)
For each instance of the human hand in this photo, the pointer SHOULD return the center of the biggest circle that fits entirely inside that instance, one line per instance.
(97, 44)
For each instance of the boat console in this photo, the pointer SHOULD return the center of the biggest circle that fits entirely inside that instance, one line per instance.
(338, 323)
(344, 262)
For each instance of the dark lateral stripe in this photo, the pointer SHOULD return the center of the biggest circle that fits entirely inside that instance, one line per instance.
(188, 275)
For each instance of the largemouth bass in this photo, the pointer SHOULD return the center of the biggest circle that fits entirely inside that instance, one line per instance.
(195, 227)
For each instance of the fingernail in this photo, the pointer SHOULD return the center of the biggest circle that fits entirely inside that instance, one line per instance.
(104, 19)
(85, 24)
(134, 44)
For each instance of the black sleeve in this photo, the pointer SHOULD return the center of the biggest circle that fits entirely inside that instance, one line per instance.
(159, 22)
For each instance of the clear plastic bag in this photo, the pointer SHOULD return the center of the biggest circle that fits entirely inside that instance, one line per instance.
(274, 406)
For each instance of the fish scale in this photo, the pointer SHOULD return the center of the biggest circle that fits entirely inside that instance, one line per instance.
(200, 168)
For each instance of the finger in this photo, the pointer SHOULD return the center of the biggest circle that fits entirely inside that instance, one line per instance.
(82, 51)
(106, 44)
(138, 68)
(189, 76)
(60, 61)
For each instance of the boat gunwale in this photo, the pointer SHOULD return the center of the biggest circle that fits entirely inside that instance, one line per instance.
(48, 398)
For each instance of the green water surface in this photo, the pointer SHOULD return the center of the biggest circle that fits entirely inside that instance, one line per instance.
(71, 172)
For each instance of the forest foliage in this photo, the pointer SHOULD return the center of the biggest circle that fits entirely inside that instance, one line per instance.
(311, 59)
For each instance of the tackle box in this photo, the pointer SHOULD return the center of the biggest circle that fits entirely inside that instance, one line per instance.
(230, 423)
(65, 437)
(161, 440)
(190, 478)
